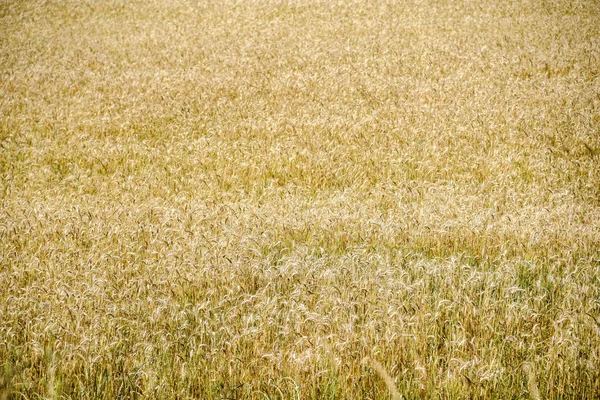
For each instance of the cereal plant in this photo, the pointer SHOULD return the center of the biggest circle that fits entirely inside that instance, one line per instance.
(299, 199)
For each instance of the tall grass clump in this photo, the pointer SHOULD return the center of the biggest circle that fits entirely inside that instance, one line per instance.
(300, 199)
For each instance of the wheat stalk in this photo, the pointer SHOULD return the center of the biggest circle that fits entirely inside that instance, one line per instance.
(389, 382)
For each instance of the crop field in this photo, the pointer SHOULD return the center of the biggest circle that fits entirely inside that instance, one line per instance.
(303, 199)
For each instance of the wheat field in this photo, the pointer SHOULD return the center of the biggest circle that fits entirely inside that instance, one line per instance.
(302, 199)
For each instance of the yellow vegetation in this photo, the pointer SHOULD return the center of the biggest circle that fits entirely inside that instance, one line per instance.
(252, 199)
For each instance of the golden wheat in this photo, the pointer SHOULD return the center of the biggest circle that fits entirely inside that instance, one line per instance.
(246, 199)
